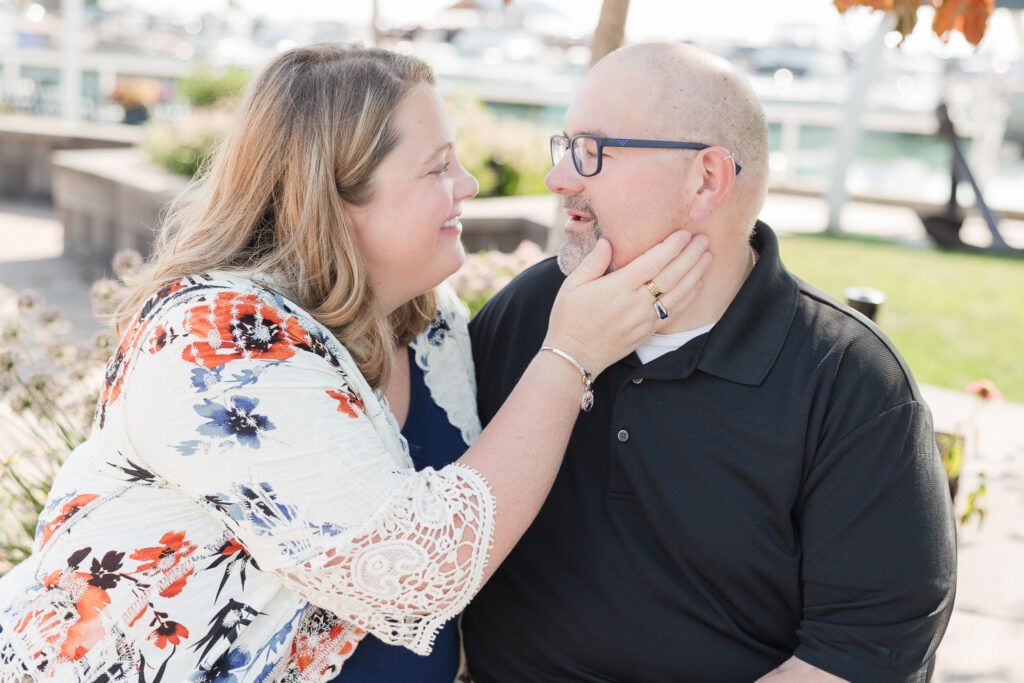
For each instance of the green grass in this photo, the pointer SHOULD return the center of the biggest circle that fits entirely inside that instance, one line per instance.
(954, 317)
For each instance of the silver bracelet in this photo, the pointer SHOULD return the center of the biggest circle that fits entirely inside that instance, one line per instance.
(587, 402)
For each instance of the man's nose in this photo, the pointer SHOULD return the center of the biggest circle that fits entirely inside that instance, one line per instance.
(563, 178)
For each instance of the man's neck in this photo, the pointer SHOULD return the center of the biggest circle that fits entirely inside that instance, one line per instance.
(722, 280)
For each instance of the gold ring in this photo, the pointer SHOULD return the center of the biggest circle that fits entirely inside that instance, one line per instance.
(653, 288)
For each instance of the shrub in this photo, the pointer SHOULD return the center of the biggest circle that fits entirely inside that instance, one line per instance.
(507, 156)
(185, 146)
(485, 273)
(206, 88)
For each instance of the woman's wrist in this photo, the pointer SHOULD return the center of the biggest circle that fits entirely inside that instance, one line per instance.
(587, 399)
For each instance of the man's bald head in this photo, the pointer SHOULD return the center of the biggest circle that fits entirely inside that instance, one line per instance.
(699, 97)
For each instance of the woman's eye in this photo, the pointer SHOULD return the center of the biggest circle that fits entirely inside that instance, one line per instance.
(443, 168)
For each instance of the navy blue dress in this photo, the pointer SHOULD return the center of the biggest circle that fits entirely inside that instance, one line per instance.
(433, 442)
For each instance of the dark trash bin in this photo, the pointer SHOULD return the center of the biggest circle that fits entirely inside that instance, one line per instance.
(865, 300)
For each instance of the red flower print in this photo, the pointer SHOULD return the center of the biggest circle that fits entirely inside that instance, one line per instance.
(309, 650)
(88, 603)
(117, 367)
(165, 560)
(240, 326)
(116, 370)
(69, 510)
(160, 338)
(168, 632)
(347, 403)
(233, 547)
(318, 633)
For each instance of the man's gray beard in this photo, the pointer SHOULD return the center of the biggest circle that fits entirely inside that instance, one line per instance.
(576, 248)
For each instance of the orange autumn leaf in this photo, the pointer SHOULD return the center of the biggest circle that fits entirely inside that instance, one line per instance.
(976, 19)
(946, 16)
(970, 17)
(843, 5)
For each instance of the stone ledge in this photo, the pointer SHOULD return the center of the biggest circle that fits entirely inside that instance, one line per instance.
(26, 143)
(111, 199)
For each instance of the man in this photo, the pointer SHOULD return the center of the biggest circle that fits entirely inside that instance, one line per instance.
(756, 492)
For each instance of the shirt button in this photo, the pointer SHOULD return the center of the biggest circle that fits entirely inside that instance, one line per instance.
(623, 435)
(637, 380)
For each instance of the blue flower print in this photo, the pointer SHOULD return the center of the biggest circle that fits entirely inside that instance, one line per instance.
(190, 447)
(221, 671)
(239, 420)
(49, 511)
(257, 505)
(272, 650)
(205, 378)
(439, 329)
(245, 377)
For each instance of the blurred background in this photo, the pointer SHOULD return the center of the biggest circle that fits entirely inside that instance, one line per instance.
(126, 60)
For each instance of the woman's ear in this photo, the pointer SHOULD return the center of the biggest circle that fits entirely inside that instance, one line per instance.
(718, 173)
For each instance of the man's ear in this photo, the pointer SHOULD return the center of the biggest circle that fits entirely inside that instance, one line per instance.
(718, 173)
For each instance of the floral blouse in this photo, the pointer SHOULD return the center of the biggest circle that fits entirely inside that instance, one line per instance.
(245, 508)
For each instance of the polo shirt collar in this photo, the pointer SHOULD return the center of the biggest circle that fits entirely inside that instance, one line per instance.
(746, 341)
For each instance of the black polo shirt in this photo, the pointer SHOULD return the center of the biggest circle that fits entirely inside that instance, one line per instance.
(772, 487)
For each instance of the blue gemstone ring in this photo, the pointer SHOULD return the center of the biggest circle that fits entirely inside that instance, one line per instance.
(662, 313)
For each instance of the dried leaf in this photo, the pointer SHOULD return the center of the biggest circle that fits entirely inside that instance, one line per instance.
(945, 20)
(906, 17)
(976, 19)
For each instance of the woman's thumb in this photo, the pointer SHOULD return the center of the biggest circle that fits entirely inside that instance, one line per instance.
(594, 265)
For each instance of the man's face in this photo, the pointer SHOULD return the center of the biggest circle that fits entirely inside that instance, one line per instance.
(639, 196)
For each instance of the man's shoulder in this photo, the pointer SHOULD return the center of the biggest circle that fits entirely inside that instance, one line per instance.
(860, 352)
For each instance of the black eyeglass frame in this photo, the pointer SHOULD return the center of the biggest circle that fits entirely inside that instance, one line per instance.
(557, 142)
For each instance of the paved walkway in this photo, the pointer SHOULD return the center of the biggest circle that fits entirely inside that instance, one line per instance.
(985, 637)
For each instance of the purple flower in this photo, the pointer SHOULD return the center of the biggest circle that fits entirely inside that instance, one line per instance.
(126, 262)
(105, 296)
(29, 300)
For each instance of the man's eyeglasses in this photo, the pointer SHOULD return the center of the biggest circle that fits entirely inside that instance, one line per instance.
(587, 150)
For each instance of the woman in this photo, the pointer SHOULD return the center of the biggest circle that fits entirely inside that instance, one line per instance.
(247, 507)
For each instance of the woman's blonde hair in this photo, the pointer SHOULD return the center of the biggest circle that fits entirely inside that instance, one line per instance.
(311, 131)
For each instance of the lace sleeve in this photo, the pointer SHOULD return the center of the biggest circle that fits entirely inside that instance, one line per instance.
(248, 413)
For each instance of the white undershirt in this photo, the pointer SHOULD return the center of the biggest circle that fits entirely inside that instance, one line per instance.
(660, 344)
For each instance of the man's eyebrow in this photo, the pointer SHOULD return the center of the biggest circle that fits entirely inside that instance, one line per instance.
(597, 132)
(440, 148)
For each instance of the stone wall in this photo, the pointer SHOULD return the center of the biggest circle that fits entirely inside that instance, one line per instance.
(109, 199)
(26, 143)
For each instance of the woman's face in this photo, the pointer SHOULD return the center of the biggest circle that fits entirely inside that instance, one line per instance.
(409, 231)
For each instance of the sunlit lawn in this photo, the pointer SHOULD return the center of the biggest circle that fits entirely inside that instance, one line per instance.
(955, 317)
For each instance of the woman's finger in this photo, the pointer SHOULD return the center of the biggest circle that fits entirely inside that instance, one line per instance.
(679, 295)
(594, 265)
(683, 271)
(677, 301)
(648, 264)
(675, 270)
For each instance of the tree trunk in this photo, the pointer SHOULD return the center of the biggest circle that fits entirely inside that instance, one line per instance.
(375, 22)
(611, 29)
